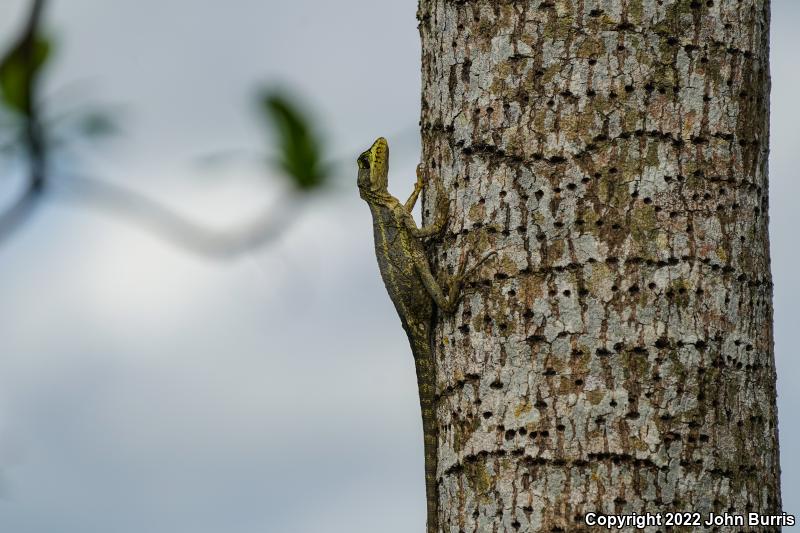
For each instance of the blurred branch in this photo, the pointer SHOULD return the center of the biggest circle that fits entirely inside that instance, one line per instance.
(175, 228)
(19, 212)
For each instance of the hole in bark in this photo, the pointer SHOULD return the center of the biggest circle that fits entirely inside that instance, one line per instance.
(463, 328)
(567, 292)
(620, 47)
(510, 434)
(561, 427)
(595, 12)
(496, 384)
(648, 201)
(572, 187)
(614, 288)
(633, 289)
(662, 343)
(602, 352)
(549, 372)
(578, 382)
(540, 404)
(629, 88)
(590, 93)
(652, 286)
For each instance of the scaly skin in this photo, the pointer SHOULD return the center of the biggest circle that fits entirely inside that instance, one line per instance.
(412, 287)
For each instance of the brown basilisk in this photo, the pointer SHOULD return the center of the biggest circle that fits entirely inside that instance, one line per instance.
(414, 290)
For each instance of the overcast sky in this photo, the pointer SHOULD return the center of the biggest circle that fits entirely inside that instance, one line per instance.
(147, 389)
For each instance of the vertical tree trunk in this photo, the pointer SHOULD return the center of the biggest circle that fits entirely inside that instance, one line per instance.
(618, 356)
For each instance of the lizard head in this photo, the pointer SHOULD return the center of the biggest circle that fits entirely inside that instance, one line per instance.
(373, 168)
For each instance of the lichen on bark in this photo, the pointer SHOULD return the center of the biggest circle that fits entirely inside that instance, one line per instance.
(618, 355)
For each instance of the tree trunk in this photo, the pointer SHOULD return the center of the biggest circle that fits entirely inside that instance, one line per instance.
(617, 357)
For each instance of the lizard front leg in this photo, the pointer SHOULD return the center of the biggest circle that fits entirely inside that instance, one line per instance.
(442, 208)
(418, 186)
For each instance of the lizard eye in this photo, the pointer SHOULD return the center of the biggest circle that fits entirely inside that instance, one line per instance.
(363, 162)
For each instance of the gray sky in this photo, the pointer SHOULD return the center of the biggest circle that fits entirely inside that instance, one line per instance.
(145, 389)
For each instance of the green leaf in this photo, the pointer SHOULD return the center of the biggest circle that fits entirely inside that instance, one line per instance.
(19, 71)
(299, 147)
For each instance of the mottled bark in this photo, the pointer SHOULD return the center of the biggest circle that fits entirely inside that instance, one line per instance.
(618, 356)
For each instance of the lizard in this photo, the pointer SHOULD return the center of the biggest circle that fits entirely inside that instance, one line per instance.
(416, 293)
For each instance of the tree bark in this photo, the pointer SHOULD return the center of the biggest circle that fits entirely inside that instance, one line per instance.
(618, 355)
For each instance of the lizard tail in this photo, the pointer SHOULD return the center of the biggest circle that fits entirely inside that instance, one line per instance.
(426, 381)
